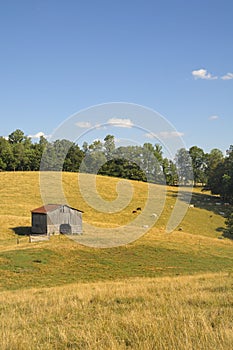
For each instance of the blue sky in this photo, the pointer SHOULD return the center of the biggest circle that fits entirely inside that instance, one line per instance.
(176, 57)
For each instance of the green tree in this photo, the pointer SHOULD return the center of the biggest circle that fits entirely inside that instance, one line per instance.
(198, 164)
(229, 223)
(73, 159)
(109, 146)
(16, 136)
(6, 155)
(184, 166)
(170, 172)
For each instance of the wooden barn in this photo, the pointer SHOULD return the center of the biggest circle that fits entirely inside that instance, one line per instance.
(55, 219)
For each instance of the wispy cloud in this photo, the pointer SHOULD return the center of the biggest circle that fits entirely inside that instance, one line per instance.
(84, 125)
(227, 76)
(121, 122)
(100, 127)
(38, 135)
(164, 135)
(203, 74)
(213, 117)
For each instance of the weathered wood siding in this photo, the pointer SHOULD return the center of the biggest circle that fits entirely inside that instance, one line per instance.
(64, 215)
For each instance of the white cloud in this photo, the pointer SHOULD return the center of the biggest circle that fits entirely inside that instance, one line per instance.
(170, 134)
(150, 135)
(165, 135)
(121, 122)
(83, 124)
(38, 135)
(203, 74)
(100, 127)
(213, 117)
(227, 76)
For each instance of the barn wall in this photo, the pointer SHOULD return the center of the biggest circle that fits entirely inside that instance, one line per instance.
(64, 215)
(39, 223)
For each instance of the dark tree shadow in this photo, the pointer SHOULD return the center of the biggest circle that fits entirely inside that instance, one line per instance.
(22, 230)
(227, 234)
(208, 202)
(214, 204)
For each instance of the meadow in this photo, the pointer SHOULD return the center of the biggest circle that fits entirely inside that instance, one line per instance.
(163, 291)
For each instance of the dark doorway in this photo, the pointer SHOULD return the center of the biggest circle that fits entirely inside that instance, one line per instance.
(65, 229)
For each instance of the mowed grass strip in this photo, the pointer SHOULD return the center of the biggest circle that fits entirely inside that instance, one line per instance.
(159, 313)
(61, 261)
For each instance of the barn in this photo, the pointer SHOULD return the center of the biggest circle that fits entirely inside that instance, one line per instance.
(55, 219)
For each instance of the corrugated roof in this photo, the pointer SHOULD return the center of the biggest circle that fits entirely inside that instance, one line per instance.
(50, 207)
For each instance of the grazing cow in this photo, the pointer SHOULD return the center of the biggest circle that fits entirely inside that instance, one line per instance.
(139, 208)
(134, 211)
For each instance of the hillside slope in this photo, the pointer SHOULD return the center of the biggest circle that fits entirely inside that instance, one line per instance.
(194, 249)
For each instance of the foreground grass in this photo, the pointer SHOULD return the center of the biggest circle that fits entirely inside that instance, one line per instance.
(159, 313)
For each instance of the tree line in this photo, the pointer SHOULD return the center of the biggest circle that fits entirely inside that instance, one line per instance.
(212, 170)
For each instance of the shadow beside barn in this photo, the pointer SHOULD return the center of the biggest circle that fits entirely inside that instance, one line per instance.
(22, 230)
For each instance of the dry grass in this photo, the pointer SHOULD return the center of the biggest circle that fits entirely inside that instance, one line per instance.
(160, 313)
(131, 312)
(20, 193)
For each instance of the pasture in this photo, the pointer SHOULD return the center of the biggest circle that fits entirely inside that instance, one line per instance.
(163, 291)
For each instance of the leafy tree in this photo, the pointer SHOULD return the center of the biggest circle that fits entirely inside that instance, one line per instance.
(151, 162)
(170, 172)
(73, 158)
(220, 179)
(6, 155)
(85, 147)
(198, 164)
(109, 146)
(184, 166)
(214, 164)
(93, 162)
(96, 145)
(229, 223)
(16, 136)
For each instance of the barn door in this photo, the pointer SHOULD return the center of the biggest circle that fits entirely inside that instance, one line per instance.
(65, 229)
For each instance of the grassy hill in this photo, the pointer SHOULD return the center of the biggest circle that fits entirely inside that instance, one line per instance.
(195, 249)
(60, 294)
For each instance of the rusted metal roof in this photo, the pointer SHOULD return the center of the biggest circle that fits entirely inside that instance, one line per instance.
(50, 207)
(46, 208)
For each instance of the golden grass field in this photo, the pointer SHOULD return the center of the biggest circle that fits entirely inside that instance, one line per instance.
(163, 291)
(157, 313)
